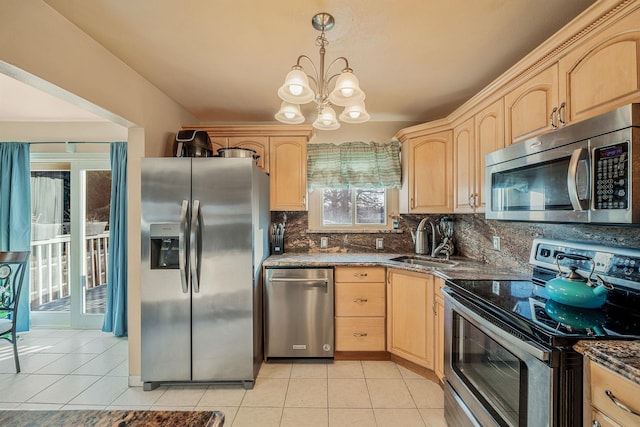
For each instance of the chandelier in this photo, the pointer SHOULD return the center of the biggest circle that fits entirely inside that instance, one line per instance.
(346, 90)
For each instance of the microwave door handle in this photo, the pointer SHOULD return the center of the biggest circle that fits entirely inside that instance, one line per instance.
(195, 243)
(578, 181)
(183, 254)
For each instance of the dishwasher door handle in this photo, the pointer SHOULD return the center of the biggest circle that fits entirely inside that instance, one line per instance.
(316, 283)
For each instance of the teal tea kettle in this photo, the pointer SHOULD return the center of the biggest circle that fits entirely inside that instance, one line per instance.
(575, 290)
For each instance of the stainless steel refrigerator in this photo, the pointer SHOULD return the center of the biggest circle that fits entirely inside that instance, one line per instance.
(205, 225)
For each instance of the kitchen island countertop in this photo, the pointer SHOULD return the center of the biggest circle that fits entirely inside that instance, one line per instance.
(622, 357)
(466, 269)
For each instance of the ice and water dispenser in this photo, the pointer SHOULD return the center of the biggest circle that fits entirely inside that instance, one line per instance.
(165, 246)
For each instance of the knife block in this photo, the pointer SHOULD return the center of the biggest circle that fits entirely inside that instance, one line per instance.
(277, 244)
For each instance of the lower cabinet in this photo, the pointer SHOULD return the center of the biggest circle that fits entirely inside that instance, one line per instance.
(360, 308)
(608, 392)
(438, 333)
(410, 316)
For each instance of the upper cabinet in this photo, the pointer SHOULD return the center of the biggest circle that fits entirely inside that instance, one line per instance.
(472, 141)
(602, 72)
(427, 171)
(532, 108)
(282, 152)
(288, 176)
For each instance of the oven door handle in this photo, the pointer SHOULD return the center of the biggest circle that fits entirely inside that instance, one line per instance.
(503, 337)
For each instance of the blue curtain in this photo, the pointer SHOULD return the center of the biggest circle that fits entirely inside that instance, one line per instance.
(15, 212)
(115, 318)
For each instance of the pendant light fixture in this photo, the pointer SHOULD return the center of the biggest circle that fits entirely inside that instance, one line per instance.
(346, 90)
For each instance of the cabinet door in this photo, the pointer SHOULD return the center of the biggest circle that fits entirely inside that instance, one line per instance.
(489, 137)
(438, 309)
(529, 107)
(410, 317)
(430, 174)
(259, 144)
(288, 173)
(602, 73)
(464, 167)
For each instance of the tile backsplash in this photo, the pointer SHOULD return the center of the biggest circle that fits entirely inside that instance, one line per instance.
(472, 236)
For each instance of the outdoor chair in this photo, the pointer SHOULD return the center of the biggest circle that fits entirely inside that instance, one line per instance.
(13, 266)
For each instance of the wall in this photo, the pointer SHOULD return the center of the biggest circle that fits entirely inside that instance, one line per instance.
(472, 236)
(40, 47)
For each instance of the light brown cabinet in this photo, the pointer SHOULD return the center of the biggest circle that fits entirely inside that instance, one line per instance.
(464, 167)
(410, 316)
(360, 308)
(603, 71)
(288, 173)
(427, 163)
(605, 388)
(438, 312)
(532, 108)
(473, 140)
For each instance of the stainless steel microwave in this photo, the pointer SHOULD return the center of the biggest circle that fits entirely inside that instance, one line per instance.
(588, 172)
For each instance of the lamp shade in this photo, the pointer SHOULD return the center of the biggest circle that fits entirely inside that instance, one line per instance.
(355, 114)
(347, 90)
(326, 119)
(296, 89)
(289, 113)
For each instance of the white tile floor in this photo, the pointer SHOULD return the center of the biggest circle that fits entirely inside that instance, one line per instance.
(73, 369)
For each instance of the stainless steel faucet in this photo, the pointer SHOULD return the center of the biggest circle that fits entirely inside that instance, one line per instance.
(420, 238)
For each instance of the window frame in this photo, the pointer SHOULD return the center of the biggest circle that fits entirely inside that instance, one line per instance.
(315, 212)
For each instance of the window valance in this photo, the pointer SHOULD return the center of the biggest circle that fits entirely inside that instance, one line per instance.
(354, 165)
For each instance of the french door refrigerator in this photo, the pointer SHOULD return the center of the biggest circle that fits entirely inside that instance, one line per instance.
(205, 225)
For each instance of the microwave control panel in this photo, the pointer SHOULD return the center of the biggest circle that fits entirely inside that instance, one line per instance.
(611, 173)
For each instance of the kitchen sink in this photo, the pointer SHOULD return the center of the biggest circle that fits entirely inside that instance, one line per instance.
(425, 261)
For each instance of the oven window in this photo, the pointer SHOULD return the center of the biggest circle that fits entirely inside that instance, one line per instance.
(540, 187)
(490, 371)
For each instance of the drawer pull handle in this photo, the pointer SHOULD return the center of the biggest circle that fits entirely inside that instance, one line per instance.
(360, 300)
(359, 334)
(360, 274)
(620, 404)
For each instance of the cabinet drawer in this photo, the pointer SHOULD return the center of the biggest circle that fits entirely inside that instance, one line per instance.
(360, 334)
(600, 420)
(360, 274)
(625, 391)
(360, 299)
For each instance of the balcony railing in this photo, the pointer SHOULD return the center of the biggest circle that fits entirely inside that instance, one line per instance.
(50, 267)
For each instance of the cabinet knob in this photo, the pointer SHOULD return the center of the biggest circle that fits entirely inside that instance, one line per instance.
(359, 334)
(595, 423)
(360, 300)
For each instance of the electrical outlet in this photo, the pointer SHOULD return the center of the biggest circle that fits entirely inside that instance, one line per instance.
(324, 242)
(379, 243)
(496, 243)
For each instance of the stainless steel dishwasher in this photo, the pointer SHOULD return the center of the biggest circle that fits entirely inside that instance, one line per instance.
(299, 313)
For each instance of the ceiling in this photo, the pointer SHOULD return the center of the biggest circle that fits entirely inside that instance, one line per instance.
(223, 60)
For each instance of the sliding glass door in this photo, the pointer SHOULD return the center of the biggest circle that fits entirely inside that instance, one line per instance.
(70, 239)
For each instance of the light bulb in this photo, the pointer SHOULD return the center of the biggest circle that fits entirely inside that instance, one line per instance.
(326, 122)
(347, 92)
(354, 114)
(295, 89)
(289, 114)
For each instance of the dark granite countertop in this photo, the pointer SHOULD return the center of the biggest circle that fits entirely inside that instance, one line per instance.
(465, 269)
(95, 418)
(622, 357)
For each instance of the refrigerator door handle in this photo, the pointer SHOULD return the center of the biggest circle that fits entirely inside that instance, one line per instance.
(195, 243)
(182, 253)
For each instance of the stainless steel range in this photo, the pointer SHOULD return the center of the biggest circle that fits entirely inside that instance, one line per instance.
(508, 347)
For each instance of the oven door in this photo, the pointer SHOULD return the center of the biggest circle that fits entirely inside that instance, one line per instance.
(551, 185)
(494, 378)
